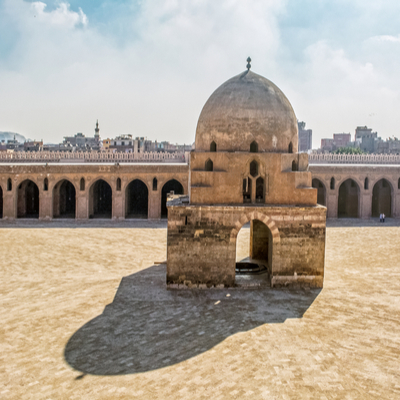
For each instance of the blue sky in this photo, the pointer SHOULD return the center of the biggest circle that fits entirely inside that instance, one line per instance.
(147, 67)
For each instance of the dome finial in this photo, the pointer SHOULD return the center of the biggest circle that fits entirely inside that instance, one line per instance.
(248, 63)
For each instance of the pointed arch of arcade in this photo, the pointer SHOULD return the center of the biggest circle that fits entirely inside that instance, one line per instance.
(321, 191)
(276, 237)
(382, 198)
(172, 184)
(100, 198)
(349, 198)
(27, 199)
(136, 199)
(64, 199)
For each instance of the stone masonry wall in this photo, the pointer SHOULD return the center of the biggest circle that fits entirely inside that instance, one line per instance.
(201, 248)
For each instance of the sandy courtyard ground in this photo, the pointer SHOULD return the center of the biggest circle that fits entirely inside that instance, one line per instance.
(85, 315)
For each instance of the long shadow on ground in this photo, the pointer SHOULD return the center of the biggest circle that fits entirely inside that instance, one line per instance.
(148, 327)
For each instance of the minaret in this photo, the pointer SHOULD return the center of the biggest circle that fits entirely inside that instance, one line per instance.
(97, 132)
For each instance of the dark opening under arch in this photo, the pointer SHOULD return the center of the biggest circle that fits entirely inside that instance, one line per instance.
(254, 147)
(100, 200)
(64, 200)
(321, 192)
(28, 200)
(136, 200)
(382, 198)
(1, 202)
(254, 248)
(259, 190)
(349, 198)
(172, 185)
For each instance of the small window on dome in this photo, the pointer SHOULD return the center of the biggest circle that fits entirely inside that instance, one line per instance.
(294, 166)
(209, 165)
(254, 147)
(213, 146)
(290, 149)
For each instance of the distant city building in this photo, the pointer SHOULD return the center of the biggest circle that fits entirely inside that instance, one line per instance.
(365, 139)
(339, 140)
(33, 145)
(305, 137)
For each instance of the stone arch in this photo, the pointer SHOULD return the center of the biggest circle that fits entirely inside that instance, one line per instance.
(382, 198)
(261, 217)
(136, 199)
(27, 199)
(172, 184)
(349, 199)
(290, 147)
(64, 199)
(213, 147)
(321, 191)
(100, 199)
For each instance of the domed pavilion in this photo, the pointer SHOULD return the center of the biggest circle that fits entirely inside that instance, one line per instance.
(246, 169)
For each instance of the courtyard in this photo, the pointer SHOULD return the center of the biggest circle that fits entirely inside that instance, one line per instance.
(85, 315)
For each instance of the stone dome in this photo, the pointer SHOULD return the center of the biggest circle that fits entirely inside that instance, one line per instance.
(247, 108)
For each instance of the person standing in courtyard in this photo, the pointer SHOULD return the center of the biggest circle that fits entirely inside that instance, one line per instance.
(383, 217)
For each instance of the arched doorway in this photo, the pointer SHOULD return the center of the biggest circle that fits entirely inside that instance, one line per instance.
(136, 200)
(317, 184)
(64, 200)
(100, 200)
(254, 249)
(28, 200)
(382, 198)
(1, 202)
(172, 185)
(349, 197)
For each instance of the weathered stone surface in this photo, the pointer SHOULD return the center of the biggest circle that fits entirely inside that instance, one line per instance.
(202, 255)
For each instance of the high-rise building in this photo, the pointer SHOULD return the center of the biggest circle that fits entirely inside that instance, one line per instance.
(305, 137)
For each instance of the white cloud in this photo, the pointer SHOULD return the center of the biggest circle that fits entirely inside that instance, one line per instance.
(60, 78)
(61, 16)
(64, 71)
(386, 38)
